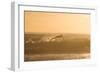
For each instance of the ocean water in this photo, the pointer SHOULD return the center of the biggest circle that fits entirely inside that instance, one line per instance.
(59, 46)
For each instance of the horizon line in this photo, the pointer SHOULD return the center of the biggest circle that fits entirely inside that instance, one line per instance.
(53, 33)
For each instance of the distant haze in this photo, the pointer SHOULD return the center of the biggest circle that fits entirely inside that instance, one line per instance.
(49, 22)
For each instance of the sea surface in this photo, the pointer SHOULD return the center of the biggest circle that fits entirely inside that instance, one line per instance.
(59, 46)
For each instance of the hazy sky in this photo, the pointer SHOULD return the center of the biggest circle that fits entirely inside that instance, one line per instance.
(46, 22)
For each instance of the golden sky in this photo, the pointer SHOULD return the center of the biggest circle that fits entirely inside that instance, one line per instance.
(49, 22)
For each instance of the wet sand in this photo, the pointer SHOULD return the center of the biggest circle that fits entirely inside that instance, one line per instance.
(42, 57)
